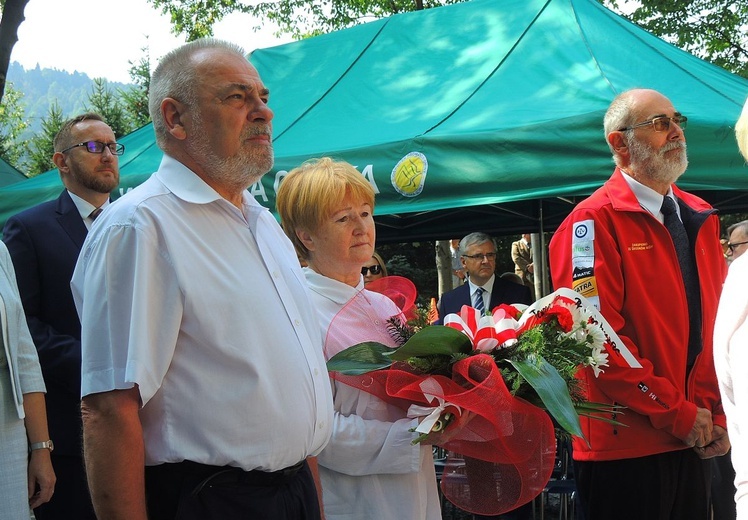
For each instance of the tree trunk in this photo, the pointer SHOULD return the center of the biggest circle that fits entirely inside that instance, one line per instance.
(444, 266)
(11, 19)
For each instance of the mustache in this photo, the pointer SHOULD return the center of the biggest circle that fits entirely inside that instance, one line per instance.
(261, 129)
(672, 145)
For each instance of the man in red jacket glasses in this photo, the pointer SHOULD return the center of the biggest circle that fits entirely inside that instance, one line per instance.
(648, 255)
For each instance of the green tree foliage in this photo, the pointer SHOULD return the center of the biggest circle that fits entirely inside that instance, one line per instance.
(299, 18)
(107, 104)
(12, 124)
(415, 261)
(135, 98)
(41, 147)
(714, 30)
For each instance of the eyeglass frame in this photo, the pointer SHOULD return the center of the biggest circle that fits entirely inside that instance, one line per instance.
(732, 247)
(480, 256)
(371, 269)
(682, 122)
(119, 148)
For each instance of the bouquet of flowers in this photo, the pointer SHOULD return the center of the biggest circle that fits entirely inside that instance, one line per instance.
(483, 384)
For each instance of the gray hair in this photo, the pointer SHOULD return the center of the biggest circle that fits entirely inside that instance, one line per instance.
(473, 239)
(742, 226)
(175, 77)
(620, 114)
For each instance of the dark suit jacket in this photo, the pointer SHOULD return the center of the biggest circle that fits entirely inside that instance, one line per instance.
(44, 243)
(502, 292)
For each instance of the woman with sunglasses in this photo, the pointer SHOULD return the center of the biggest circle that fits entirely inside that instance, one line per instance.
(374, 269)
(370, 468)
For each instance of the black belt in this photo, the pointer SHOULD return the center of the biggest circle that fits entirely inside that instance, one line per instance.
(208, 475)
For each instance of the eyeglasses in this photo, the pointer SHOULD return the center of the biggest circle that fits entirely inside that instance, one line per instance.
(98, 147)
(479, 256)
(660, 124)
(732, 247)
(374, 269)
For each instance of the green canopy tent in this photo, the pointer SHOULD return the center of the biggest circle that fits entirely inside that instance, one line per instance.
(484, 115)
(9, 175)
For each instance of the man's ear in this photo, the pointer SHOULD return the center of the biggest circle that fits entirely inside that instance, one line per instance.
(306, 239)
(59, 159)
(173, 113)
(619, 144)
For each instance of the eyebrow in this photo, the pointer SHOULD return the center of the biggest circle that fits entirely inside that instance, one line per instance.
(675, 114)
(244, 87)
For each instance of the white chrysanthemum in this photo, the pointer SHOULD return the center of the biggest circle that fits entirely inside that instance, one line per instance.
(597, 360)
(595, 338)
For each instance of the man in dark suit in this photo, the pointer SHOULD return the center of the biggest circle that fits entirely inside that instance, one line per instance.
(484, 291)
(44, 243)
(478, 256)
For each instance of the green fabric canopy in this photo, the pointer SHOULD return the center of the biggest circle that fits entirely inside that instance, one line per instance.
(485, 115)
(9, 175)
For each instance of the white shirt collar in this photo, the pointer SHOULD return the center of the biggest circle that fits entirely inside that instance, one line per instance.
(85, 208)
(334, 290)
(648, 198)
(486, 287)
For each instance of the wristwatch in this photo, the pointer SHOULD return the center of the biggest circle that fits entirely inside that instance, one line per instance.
(46, 445)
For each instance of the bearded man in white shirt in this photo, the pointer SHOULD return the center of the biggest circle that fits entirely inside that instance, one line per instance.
(203, 380)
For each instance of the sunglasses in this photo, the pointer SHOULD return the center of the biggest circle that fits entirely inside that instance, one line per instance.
(374, 269)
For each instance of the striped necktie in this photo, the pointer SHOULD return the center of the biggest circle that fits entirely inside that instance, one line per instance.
(95, 213)
(478, 300)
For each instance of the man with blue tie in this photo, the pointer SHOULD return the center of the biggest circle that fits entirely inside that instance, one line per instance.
(44, 243)
(484, 289)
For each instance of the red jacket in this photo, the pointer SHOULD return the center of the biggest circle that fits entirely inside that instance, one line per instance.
(613, 251)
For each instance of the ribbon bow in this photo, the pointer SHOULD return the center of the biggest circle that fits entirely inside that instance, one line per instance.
(432, 414)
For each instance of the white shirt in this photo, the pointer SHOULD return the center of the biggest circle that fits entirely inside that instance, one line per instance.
(486, 292)
(85, 208)
(649, 199)
(730, 362)
(205, 308)
(369, 470)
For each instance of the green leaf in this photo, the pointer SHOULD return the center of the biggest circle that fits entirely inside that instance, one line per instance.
(552, 390)
(437, 339)
(360, 359)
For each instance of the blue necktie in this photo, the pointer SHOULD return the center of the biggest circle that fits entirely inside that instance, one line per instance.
(688, 272)
(479, 300)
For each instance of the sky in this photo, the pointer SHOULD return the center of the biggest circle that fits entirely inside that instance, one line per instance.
(100, 37)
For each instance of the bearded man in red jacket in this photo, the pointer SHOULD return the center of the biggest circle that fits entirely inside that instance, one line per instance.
(654, 268)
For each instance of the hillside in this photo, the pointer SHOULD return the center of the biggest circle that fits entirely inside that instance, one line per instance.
(40, 87)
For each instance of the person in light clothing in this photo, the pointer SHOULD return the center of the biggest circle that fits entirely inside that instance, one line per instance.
(26, 475)
(203, 381)
(370, 470)
(731, 352)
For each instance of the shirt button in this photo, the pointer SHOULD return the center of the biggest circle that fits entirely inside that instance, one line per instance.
(321, 425)
(316, 371)
(276, 274)
(297, 323)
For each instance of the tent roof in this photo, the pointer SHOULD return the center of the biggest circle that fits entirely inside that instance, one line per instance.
(504, 99)
(480, 115)
(9, 175)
